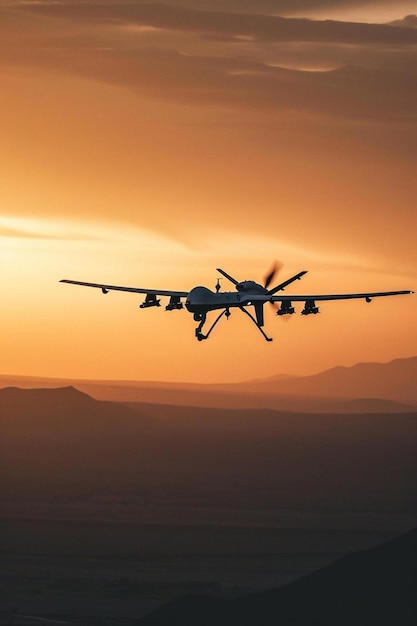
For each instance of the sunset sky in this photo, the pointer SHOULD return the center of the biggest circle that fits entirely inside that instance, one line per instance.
(147, 143)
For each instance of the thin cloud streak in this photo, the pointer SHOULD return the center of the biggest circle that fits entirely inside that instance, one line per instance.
(20, 234)
(11, 233)
(40, 229)
(231, 25)
(265, 7)
(351, 93)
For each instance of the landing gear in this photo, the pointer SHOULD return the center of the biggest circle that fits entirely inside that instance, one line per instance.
(200, 317)
(203, 316)
(256, 323)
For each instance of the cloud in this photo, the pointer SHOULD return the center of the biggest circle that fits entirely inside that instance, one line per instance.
(21, 228)
(233, 60)
(20, 234)
(356, 93)
(229, 25)
(269, 7)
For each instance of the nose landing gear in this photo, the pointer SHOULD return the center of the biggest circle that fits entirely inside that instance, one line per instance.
(201, 317)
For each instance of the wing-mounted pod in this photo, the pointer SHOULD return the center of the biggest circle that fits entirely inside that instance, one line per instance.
(150, 300)
(310, 308)
(286, 308)
(174, 303)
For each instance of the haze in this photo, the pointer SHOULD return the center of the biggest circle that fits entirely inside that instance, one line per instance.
(146, 144)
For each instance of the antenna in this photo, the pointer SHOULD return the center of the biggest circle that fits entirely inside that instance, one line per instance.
(218, 285)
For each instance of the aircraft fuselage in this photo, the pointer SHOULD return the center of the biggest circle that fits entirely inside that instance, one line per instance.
(202, 299)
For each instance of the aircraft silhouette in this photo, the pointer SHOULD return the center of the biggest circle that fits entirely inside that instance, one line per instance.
(200, 300)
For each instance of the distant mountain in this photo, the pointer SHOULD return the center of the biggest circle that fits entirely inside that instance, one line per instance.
(293, 403)
(16, 402)
(60, 441)
(39, 409)
(61, 438)
(362, 405)
(376, 586)
(382, 387)
(396, 380)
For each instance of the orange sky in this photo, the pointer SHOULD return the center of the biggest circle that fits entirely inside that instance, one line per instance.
(148, 143)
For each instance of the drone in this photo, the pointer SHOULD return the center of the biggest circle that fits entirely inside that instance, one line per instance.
(248, 293)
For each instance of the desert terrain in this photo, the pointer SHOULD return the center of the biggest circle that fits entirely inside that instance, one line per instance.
(112, 508)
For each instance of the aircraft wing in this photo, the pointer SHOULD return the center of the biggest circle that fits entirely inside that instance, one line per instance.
(106, 288)
(339, 296)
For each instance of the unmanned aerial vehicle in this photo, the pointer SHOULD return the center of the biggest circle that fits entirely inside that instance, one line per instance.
(200, 300)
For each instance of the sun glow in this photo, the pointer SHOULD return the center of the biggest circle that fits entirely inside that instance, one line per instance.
(138, 156)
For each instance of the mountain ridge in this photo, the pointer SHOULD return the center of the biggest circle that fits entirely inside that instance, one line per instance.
(202, 461)
(281, 376)
(373, 586)
(395, 382)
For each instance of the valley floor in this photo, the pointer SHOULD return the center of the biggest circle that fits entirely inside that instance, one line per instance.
(101, 573)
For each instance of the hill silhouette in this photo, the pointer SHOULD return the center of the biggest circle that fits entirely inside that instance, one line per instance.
(395, 380)
(382, 387)
(62, 441)
(17, 402)
(62, 437)
(374, 586)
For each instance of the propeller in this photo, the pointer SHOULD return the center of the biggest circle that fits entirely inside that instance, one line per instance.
(276, 267)
(282, 286)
